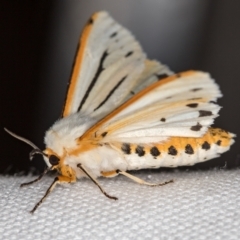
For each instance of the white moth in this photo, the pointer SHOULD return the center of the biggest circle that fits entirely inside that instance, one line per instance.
(124, 112)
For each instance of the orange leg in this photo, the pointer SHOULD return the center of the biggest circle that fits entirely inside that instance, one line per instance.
(109, 174)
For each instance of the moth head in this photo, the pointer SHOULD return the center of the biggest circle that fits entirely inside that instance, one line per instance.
(48, 156)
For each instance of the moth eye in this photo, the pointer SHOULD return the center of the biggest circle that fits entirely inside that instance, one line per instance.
(54, 160)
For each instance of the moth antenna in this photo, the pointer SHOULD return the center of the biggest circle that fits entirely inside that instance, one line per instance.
(35, 150)
(21, 138)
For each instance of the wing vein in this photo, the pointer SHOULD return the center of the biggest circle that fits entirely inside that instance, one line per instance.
(98, 72)
(110, 93)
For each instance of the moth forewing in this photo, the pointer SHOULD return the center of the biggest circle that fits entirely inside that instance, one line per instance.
(107, 65)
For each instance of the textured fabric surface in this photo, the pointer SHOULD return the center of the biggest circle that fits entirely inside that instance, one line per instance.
(198, 205)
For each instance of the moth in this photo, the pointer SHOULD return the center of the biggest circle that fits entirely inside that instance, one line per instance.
(125, 112)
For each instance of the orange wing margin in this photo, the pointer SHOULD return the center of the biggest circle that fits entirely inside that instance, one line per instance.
(77, 65)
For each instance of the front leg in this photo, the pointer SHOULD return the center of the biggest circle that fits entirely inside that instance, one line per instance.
(60, 179)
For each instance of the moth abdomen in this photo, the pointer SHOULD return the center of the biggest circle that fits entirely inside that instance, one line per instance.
(178, 151)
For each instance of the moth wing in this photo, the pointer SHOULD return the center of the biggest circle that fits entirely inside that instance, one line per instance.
(180, 105)
(153, 71)
(107, 65)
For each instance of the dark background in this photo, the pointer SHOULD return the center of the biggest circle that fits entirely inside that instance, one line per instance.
(38, 41)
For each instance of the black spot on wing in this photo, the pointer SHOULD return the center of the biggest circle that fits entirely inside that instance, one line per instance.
(163, 119)
(204, 113)
(196, 127)
(206, 146)
(94, 80)
(213, 102)
(178, 75)
(113, 35)
(154, 151)
(190, 99)
(104, 134)
(189, 149)
(192, 105)
(140, 151)
(129, 54)
(195, 89)
(110, 93)
(126, 148)
(90, 21)
(161, 76)
(172, 151)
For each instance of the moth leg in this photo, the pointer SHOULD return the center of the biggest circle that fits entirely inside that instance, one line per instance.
(95, 181)
(37, 179)
(109, 174)
(59, 179)
(140, 181)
